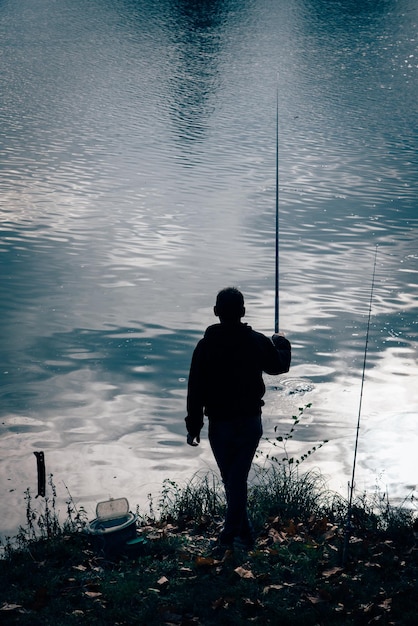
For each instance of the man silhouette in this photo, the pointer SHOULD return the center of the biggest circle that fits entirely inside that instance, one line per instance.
(226, 384)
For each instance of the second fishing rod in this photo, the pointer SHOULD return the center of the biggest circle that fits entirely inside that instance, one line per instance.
(353, 472)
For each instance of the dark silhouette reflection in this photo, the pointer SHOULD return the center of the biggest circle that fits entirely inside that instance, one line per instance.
(187, 36)
(196, 31)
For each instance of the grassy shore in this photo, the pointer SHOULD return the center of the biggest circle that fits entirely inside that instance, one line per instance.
(298, 573)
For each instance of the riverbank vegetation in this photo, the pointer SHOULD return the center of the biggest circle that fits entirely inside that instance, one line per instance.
(297, 573)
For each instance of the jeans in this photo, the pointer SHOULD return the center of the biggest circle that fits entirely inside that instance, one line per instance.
(234, 444)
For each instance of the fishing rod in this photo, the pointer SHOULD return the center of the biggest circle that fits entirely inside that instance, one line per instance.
(350, 501)
(276, 299)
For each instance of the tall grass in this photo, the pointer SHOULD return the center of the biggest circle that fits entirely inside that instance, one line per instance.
(292, 495)
(373, 513)
(43, 521)
(201, 497)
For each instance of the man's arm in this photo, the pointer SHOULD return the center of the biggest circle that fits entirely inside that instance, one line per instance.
(194, 418)
(279, 356)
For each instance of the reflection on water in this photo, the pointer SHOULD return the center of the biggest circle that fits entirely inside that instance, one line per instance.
(137, 170)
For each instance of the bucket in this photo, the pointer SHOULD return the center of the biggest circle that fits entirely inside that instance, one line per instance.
(113, 527)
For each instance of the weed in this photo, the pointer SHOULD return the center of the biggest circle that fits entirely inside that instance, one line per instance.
(280, 443)
(42, 521)
(201, 497)
(274, 492)
(374, 513)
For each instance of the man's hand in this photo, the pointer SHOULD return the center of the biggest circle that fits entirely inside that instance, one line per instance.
(277, 339)
(191, 440)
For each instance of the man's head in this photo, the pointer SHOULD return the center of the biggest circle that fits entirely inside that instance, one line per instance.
(229, 305)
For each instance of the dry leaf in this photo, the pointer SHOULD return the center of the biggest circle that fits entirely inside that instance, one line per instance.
(320, 526)
(332, 571)
(162, 581)
(272, 587)
(201, 561)
(291, 528)
(93, 594)
(10, 607)
(276, 536)
(386, 604)
(315, 599)
(223, 603)
(252, 606)
(244, 573)
(330, 534)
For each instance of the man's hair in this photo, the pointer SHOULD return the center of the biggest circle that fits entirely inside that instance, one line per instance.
(230, 304)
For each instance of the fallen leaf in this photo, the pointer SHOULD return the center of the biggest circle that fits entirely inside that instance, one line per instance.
(162, 581)
(291, 529)
(244, 573)
(252, 606)
(201, 561)
(218, 604)
(10, 607)
(277, 536)
(319, 526)
(315, 599)
(330, 534)
(92, 585)
(185, 555)
(190, 621)
(272, 587)
(222, 603)
(330, 572)
(332, 547)
(386, 604)
(93, 594)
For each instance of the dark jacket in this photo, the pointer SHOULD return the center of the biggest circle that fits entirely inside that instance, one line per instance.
(225, 380)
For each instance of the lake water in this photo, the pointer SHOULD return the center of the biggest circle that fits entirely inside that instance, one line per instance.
(137, 168)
